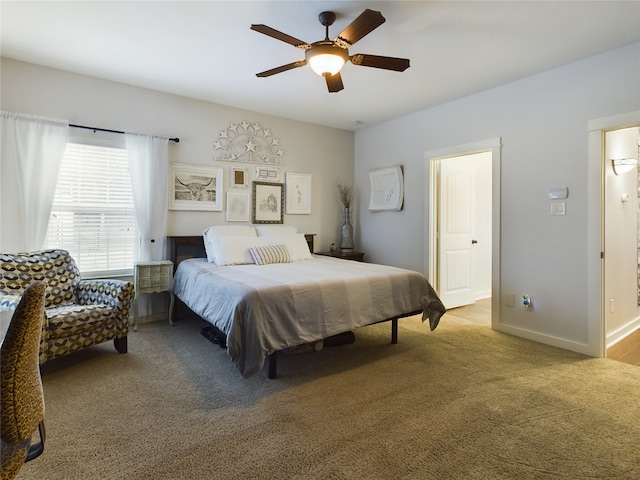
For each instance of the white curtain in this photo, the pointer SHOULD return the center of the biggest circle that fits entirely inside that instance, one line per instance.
(32, 151)
(149, 167)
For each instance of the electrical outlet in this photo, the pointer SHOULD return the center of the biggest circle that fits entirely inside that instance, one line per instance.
(527, 302)
(510, 300)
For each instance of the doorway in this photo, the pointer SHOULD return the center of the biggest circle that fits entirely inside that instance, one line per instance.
(464, 223)
(621, 247)
(599, 335)
(464, 226)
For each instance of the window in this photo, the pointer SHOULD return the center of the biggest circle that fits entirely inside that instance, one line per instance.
(93, 215)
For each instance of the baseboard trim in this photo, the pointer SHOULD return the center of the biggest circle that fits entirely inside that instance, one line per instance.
(565, 344)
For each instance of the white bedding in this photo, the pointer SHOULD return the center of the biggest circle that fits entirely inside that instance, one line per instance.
(266, 308)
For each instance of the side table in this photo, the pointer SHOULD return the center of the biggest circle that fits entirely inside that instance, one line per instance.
(345, 255)
(152, 277)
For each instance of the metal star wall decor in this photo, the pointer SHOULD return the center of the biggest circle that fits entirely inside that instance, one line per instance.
(248, 143)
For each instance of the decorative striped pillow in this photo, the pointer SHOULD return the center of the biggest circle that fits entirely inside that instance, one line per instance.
(270, 254)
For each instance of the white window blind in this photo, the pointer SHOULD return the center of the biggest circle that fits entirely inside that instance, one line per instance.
(93, 215)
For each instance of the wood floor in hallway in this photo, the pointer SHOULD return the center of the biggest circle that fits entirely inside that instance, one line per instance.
(479, 312)
(627, 350)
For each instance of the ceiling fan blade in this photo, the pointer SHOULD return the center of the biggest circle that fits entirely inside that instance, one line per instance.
(282, 68)
(367, 22)
(272, 32)
(334, 82)
(376, 61)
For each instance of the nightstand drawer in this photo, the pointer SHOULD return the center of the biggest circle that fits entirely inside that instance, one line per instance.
(146, 271)
(153, 282)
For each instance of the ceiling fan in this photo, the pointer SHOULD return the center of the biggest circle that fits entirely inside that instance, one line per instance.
(327, 57)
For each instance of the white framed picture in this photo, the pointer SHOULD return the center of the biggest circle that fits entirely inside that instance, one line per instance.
(237, 207)
(195, 187)
(268, 174)
(238, 177)
(387, 190)
(298, 193)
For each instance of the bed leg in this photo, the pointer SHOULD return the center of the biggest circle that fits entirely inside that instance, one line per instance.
(394, 330)
(272, 364)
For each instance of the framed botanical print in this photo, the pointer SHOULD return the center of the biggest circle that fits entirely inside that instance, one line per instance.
(298, 193)
(195, 187)
(268, 202)
(237, 207)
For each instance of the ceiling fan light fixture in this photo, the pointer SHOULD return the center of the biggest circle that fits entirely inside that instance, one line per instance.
(326, 59)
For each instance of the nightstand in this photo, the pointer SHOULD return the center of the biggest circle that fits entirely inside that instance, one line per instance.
(152, 277)
(345, 255)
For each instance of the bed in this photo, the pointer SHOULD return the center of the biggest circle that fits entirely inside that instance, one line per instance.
(266, 308)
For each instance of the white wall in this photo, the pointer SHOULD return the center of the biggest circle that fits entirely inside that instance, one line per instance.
(622, 312)
(542, 121)
(324, 152)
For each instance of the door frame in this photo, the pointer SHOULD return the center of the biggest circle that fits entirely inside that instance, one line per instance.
(596, 197)
(432, 180)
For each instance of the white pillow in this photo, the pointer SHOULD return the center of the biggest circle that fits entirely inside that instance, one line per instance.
(211, 233)
(265, 230)
(270, 254)
(235, 250)
(296, 244)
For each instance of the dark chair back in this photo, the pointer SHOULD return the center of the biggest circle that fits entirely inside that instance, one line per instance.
(21, 389)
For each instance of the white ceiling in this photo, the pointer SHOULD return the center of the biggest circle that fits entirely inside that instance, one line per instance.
(206, 50)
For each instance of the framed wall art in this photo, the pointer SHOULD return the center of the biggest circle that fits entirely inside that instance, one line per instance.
(237, 207)
(387, 189)
(270, 174)
(268, 202)
(298, 193)
(195, 187)
(238, 177)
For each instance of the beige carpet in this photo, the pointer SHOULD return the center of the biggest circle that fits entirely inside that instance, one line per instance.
(463, 402)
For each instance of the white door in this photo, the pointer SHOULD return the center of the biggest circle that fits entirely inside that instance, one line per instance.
(456, 227)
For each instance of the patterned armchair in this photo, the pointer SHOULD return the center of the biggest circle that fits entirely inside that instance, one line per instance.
(79, 313)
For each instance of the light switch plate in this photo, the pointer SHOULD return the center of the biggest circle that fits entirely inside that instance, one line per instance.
(558, 208)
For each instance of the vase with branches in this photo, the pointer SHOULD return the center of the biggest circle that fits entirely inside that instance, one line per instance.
(346, 232)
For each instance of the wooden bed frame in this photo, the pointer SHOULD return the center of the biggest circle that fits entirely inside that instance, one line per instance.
(192, 246)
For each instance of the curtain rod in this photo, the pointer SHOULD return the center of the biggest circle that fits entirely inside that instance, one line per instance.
(96, 129)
